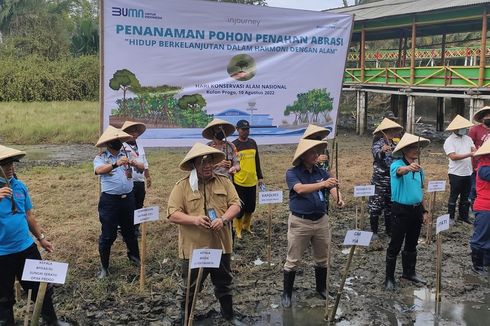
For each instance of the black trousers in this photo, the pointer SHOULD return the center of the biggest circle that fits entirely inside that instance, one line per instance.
(460, 187)
(113, 211)
(406, 225)
(11, 266)
(139, 194)
(221, 278)
(247, 196)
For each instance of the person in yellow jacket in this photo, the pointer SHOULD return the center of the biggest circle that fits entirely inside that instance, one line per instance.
(247, 178)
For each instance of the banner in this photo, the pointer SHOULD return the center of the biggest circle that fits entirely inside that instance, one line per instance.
(176, 65)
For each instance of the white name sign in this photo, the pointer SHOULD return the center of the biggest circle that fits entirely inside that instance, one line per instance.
(206, 258)
(44, 271)
(442, 223)
(146, 214)
(357, 238)
(434, 186)
(364, 191)
(270, 197)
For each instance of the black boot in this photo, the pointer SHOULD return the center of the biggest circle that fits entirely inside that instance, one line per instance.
(47, 311)
(135, 260)
(451, 210)
(388, 225)
(464, 212)
(477, 259)
(321, 281)
(409, 260)
(374, 221)
(390, 283)
(226, 303)
(7, 314)
(288, 288)
(104, 253)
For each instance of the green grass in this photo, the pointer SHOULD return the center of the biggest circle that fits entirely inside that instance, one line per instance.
(49, 123)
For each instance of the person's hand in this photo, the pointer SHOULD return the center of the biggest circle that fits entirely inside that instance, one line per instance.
(5, 192)
(217, 224)
(232, 170)
(148, 182)
(322, 158)
(340, 203)
(413, 167)
(426, 217)
(261, 182)
(202, 221)
(472, 153)
(46, 245)
(386, 148)
(122, 161)
(330, 183)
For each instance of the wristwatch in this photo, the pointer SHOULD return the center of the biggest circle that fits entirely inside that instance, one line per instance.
(41, 237)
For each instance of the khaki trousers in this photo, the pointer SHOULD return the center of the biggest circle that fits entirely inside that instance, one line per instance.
(302, 232)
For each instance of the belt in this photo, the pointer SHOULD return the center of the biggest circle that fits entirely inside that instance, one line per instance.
(312, 217)
(419, 205)
(122, 196)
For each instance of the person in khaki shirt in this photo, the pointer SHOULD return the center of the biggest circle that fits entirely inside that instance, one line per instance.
(203, 204)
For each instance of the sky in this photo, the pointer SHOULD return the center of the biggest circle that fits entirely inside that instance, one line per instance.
(307, 4)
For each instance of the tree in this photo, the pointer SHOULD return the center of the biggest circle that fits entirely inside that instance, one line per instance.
(124, 80)
(195, 103)
(308, 106)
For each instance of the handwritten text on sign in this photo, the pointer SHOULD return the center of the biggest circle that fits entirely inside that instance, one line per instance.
(44, 271)
(357, 238)
(434, 186)
(270, 197)
(364, 191)
(442, 223)
(146, 214)
(206, 258)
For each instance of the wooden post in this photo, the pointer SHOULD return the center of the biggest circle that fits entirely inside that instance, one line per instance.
(187, 292)
(342, 283)
(410, 124)
(39, 303)
(196, 291)
(28, 308)
(440, 114)
(432, 202)
(438, 267)
(412, 58)
(443, 50)
(17, 290)
(101, 66)
(363, 210)
(329, 253)
(483, 48)
(400, 44)
(143, 256)
(269, 246)
(363, 55)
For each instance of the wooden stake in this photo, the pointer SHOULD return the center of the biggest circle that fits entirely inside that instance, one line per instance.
(329, 253)
(363, 210)
(432, 203)
(342, 283)
(438, 267)
(39, 303)
(28, 308)
(196, 291)
(269, 246)
(143, 256)
(189, 270)
(17, 290)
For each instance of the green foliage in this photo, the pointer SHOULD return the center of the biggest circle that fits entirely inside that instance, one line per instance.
(50, 123)
(192, 106)
(312, 106)
(34, 78)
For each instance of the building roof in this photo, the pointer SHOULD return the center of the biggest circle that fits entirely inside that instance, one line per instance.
(387, 8)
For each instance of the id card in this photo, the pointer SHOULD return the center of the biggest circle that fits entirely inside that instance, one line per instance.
(320, 194)
(212, 214)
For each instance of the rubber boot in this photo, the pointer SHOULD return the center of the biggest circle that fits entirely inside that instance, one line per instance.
(6, 313)
(47, 310)
(464, 209)
(237, 224)
(247, 222)
(321, 281)
(409, 260)
(134, 260)
(181, 320)
(388, 225)
(374, 221)
(226, 303)
(104, 262)
(390, 283)
(451, 210)
(288, 288)
(477, 259)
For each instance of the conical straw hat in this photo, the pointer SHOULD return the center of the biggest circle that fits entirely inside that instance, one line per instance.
(313, 131)
(459, 123)
(306, 144)
(138, 126)
(478, 116)
(409, 139)
(484, 149)
(112, 133)
(228, 128)
(198, 150)
(8, 154)
(387, 124)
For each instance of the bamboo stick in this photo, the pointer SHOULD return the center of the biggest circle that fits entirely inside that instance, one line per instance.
(342, 283)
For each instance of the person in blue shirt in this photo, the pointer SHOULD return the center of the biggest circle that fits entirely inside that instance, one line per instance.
(308, 222)
(116, 204)
(17, 223)
(408, 212)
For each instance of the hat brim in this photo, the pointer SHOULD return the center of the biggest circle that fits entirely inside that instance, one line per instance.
(228, 129)
(15, 158)
(105, 142)
(188, 163)
(480, 114)
(319, 134)
(139, 127)
(297, 158)
(399, 152)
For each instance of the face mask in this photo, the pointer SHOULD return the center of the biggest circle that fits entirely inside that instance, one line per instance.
(115, 145)
(219, 135)
(461, 132)
(396, 140)
(486, 122)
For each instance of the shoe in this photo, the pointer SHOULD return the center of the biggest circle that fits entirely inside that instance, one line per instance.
(104, 263)
(466, 220)
(103, 273)
(237, 224)
(247, 222)
(477, 260)
(288, 288)
(390, 283)
(375, 237)
(134, 260)
(409, 260)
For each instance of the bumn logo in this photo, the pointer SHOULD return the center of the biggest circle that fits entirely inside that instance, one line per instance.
(128, 12)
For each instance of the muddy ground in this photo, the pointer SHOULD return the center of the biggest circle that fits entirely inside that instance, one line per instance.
(84, 300)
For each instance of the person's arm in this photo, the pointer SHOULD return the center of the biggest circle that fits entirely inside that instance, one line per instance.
(260, 176)
(37, 232)
(103, 168)
(147, 177)
(458, 157)
(179, 217)
(234, 158)
(337, 196)
(5, 192)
